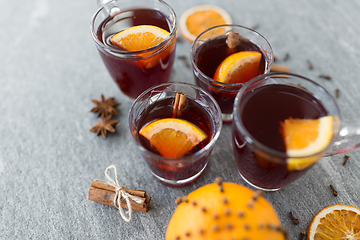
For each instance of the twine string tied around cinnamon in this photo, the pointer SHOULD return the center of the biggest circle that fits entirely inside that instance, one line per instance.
(120, 192)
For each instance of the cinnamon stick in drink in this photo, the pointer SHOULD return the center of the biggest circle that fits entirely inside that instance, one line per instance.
(179, 104)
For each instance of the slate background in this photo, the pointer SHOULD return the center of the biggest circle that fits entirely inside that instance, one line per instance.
(50, 71)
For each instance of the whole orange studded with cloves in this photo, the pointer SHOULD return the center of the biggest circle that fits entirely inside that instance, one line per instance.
(227, 211)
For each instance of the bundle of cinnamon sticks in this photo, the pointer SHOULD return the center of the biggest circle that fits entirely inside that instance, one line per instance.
(104, 193)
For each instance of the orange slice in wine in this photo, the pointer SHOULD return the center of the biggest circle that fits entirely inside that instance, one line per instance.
(173, 137)
(238, 67)
(304, 139)
(140, 37)
(143, 37)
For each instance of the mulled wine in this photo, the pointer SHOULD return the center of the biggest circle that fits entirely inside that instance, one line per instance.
(261, 112)
(193, 113)
(175, 137)
(136, 71)
(208, 53)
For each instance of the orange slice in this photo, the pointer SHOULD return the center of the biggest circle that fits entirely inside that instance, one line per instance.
(306, 137)
(197, 19)
(336, 222)
(238, 67)
(140, 37)
(173, 137)
(143, 37)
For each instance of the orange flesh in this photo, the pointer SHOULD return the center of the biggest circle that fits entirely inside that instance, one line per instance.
(171, 143)
(245, 74)
(299, 133)
(346, 223)
(139, 41)
(249, 64)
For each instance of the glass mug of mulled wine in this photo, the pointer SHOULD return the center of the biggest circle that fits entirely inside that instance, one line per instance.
(136, 41)
(175, 127)
(283, 124)
(224, 57)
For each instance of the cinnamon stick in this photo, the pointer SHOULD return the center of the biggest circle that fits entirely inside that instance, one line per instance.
(279, 68)
(107, 197)
(232, 40)
(179, 104)
(104, 193)
(103, 185)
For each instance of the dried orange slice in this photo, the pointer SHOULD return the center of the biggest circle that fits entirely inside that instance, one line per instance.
(173, 137)
(306, 137)
(336, 222)
(238, 67)
(140, 37)
(197, 19)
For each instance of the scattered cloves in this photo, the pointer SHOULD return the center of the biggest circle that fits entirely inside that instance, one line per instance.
(310, 65)
(346, 157)
(295, 220)
(335, 193)
(254, 27)
(185, 60)
(327, 77)
(337, 92)
(286, 57)
(302, 235)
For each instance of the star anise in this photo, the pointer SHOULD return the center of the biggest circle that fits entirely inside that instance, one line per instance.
(106, 125)
(105, 107)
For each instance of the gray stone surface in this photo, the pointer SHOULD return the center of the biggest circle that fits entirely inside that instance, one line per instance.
(50, 71)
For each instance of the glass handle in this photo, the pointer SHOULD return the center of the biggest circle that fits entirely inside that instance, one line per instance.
(102, 2)
(348, 138)
(111, 8)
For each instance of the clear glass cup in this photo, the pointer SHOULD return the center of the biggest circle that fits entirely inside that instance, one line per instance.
(156, 103)
(210, 48)
(266, 167)
(135, 71)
